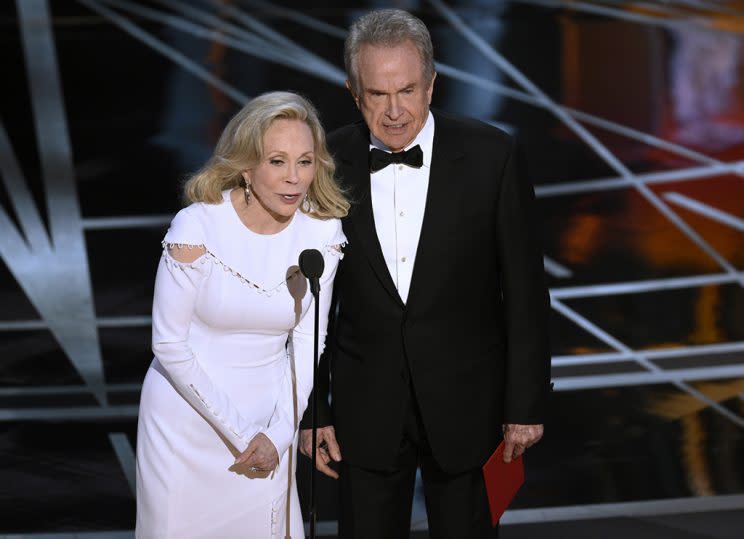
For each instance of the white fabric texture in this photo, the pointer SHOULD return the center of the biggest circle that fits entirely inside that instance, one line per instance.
(223, 373)
(398, 204)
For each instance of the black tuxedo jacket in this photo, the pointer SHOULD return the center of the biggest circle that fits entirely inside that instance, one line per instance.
(473, 334)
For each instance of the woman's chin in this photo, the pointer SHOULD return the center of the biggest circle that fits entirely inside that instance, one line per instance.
(284, 213)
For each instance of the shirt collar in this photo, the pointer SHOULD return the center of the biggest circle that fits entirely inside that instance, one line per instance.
(424, 138)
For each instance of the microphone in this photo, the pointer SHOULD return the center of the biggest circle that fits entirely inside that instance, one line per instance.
(311, 266)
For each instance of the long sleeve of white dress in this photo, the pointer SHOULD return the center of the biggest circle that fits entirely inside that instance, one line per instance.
(177, 286)
(285, 421)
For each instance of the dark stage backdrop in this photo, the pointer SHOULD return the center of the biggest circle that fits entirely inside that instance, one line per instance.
(633, 122)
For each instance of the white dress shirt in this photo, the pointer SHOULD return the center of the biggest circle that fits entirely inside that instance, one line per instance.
(398, 204)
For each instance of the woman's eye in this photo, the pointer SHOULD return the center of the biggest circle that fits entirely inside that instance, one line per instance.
(276, 161)
(306, 162)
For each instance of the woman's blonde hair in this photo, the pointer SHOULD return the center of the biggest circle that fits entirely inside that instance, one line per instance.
(241, 148)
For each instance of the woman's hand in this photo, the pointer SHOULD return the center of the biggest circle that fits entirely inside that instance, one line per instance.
(260, 455)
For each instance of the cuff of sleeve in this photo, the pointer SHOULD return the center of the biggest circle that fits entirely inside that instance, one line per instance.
(241, 440)
(324, 418)
(280, 436)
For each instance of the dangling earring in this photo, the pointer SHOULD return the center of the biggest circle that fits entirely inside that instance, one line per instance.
(306, 205)
(248, 193)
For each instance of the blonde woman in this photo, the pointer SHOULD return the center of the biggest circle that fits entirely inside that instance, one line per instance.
(232, 331)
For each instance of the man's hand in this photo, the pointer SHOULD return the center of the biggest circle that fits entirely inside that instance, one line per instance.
(327, 448)
(260, 454)
(517, 438)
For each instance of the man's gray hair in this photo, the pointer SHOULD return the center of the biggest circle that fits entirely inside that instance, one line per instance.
(387, 27)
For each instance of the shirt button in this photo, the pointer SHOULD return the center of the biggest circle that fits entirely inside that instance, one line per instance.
(403, 259)
(400, 167)
(401, 214)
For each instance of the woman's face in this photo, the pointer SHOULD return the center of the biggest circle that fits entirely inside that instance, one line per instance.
(281, 179)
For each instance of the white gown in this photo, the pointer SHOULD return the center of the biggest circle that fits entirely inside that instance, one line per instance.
(230, 332)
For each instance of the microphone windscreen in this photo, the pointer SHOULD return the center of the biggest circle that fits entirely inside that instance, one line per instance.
(311, 263)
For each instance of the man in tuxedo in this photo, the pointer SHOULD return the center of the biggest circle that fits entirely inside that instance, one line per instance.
(438, 347)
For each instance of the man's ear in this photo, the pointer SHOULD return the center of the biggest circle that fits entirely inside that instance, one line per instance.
(353, 95)
(430, 91)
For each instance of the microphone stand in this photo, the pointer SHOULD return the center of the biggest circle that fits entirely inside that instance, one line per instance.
(311, 265)
(315, 290)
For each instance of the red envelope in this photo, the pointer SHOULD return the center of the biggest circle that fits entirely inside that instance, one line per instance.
(502, 482)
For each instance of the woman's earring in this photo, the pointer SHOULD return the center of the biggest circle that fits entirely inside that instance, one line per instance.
(306, 206)
(248, 193)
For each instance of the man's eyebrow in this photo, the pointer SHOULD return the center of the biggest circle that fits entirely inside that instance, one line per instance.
(408, 86)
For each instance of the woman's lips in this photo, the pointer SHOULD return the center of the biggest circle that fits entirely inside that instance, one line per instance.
(289, 199)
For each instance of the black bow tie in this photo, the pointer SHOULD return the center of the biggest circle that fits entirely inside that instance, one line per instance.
(379, 159)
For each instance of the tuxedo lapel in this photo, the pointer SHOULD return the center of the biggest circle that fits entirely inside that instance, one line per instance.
(354, 171)
(442, 209)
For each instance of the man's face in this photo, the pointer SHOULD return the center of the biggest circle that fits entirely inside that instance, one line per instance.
(393, 96)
